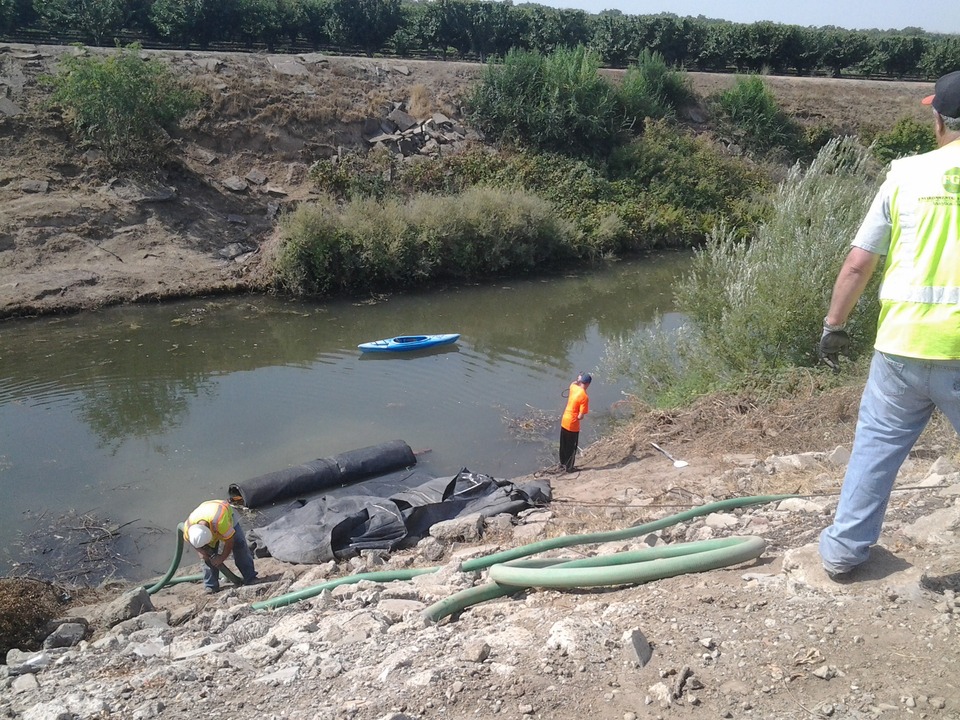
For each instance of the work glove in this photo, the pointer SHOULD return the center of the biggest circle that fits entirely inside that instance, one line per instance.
(832, 343)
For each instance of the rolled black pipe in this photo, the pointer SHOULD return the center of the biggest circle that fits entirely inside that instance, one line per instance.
(322, 474)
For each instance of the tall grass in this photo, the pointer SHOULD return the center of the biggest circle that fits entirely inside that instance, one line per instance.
(652, 89)
(755, 307)
(560, 102)
(750, 116)
(667, 188)
(367, 245)
(553, 103)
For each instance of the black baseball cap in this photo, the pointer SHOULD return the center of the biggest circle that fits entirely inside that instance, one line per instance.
(946, 95)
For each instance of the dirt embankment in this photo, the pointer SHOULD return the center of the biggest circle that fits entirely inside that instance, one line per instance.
(74, 236)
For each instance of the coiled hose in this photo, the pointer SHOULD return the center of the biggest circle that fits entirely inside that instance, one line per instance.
(510, 577)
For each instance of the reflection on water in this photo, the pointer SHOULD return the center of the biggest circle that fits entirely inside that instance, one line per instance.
(139, 413)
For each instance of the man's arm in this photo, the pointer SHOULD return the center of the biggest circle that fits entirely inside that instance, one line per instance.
(204, 553)
(853, 277)
(218, 560)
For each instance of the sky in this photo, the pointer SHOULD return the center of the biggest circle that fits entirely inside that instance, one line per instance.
(943, 16)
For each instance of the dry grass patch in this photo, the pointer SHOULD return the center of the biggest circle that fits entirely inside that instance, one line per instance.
(26, 606)
(420, 102)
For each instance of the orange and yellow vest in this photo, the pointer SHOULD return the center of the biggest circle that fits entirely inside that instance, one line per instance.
(219, 516)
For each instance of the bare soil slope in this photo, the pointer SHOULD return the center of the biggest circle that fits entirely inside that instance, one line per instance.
(73, 236)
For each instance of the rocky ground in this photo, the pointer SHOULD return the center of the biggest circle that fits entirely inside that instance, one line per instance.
(769, 638)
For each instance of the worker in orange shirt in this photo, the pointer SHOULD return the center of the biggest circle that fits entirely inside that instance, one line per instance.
(578, 405)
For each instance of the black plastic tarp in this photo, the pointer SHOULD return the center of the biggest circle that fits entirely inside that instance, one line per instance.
(328, 528)
(324, 473)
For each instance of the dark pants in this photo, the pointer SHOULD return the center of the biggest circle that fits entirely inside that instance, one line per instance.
(568, 448)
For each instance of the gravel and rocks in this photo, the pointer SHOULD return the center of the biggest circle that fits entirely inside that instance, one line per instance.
(772, 638)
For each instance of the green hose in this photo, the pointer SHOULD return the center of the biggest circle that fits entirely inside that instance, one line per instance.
(169, 579)
(378, 576)
(482, 593)
(627, 568)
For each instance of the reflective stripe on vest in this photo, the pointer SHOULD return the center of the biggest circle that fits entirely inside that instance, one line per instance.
(214, 512)
(920, 294)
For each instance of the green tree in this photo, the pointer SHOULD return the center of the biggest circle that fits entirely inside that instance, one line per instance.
(121, 103)
(260, 21)
(716, 47)
(195, 21)
(446, 23)
(897, 56)
(315, 14)
(667, 35)
(801, 49)
(941, 56)
(97, 20)
(364, 24)
(8, 15)
(546, 29)
(613, 39)
(843, 50)
(493, 27)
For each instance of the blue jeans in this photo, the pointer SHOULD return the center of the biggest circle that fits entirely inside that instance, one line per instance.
(898, 401)
(241, 556)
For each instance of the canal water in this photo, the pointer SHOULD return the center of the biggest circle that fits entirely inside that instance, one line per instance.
(133, 415)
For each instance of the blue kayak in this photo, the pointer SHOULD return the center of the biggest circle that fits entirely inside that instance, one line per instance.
(404, 343)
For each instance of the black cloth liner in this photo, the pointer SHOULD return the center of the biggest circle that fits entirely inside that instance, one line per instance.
(329, 528)
(324, 473)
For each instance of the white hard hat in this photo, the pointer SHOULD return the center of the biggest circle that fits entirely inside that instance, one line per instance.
(199, 535)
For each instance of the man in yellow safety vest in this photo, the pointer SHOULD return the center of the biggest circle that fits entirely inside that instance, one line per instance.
(215, 534)
(915, 222)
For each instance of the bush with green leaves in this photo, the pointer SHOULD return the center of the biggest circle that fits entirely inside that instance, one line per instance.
(560, 103)
(754, 307)
(366, 245)
(355, 175)
(907, 137)
(668, 188)
(121, 103)
(750, 116)
(684, 185)
(554, 103)
(651, 89)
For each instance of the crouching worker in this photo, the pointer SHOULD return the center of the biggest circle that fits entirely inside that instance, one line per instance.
(212, 527)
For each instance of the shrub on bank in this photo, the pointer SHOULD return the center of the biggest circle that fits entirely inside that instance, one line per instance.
(750, 116)
(366, 245)
(560, 103)
(907, 137)
(755, 307)
(553, 103)
(667, 188)
(120, 103)
(651, 89)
